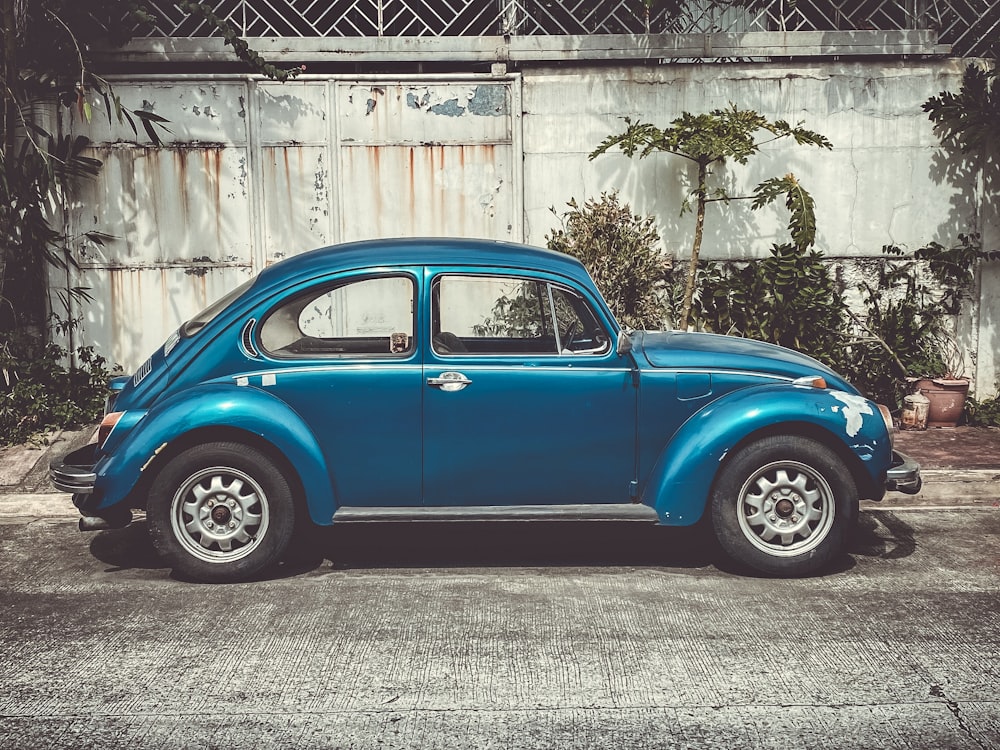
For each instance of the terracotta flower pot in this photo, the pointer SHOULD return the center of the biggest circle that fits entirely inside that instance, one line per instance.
(947, 397)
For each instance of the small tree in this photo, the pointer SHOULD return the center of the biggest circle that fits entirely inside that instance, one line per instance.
(621, 252)
(708, 140)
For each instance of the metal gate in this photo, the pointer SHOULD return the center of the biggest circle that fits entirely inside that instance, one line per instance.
(251, 172)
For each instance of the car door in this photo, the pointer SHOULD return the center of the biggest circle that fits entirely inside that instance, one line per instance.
(526, 401)
(345, 358)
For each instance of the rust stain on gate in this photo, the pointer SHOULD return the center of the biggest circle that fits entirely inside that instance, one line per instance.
(423, 189)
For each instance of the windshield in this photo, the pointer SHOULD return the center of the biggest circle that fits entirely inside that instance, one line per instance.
(207, 315)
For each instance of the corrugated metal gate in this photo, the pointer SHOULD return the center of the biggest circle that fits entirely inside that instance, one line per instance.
(252, 172)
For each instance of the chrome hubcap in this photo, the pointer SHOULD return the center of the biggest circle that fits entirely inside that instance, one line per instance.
(219, 514)
(786, 508)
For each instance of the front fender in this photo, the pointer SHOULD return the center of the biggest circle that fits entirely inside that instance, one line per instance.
(679, 485)
(214, 406)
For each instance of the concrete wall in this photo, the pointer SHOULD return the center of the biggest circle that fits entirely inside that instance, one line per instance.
(886, 180)
(883, 182)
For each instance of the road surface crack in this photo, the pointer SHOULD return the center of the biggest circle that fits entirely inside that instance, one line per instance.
(952, 705)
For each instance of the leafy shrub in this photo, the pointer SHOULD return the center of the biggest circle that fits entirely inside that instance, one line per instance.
(793, 299)
(903, 329)
(985, 413)
(790, 298)
(38, 393)
(909, 323)
(621, 251)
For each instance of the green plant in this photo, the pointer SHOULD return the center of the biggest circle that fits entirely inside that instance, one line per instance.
(908, 322)
(971, 118)
(45, 61)
(901, 332)
(708, 140)
(953, 269)
(521, 314)
(790, 298)
(985, 413)
(904, 328)
(38, 392)
(621, 251)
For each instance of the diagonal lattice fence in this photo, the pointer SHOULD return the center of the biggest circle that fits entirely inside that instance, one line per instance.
(972, 27)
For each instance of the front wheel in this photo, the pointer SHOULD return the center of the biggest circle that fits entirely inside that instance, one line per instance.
(783, 505)
(220, 512)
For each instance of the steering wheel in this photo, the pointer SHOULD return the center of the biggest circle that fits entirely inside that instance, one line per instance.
(567, 337)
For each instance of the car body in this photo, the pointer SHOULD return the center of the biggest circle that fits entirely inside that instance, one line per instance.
(434, 378)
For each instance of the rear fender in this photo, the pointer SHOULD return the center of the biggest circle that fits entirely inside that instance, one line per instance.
(682, 478)
(215, 406)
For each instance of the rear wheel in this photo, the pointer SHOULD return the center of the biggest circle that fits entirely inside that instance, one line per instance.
(783, 505)
(220, 512)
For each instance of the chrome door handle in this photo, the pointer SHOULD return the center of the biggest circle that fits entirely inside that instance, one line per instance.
(450, 381)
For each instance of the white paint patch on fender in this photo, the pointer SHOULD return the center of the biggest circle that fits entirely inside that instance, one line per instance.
(855, 407)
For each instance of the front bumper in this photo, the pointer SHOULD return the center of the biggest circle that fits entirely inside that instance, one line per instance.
(74, 472)
(903, 475)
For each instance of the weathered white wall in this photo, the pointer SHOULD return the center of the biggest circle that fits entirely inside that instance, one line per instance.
(251, 172)
(255, 171)
(886, 180)
(883, 182)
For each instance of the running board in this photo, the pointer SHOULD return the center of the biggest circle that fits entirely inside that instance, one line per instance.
(597, 512)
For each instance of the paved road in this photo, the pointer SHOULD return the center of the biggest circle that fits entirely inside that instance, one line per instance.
(548, 635)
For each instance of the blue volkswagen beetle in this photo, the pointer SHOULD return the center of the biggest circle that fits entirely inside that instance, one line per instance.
(457, 379)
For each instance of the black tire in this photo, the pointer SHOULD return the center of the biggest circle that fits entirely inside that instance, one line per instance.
(784, 505)
(220, 512)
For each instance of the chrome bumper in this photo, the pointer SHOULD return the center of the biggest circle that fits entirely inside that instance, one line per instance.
(903, 475)
(74, 472)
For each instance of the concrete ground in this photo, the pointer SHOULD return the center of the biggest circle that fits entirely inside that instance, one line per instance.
(506, 635)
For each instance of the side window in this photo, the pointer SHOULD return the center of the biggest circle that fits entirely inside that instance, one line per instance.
(579, 331)
(364, 317)
(508, 315)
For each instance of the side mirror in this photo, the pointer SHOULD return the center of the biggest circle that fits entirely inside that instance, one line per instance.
(624, 343)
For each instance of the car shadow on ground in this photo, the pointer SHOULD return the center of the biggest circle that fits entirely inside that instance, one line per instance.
(387, 545)
(883, 534)
(511, 544)
(555, 544)
(125, 549)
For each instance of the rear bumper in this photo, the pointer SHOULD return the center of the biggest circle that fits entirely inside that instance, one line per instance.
(903, 475)
(74, 472)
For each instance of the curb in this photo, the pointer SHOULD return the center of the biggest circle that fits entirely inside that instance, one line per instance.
(33, 505)
(979, 487)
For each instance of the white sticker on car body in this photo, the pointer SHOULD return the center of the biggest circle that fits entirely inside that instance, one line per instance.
(855, 407)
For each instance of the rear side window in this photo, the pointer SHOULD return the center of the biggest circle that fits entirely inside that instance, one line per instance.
(365, 317)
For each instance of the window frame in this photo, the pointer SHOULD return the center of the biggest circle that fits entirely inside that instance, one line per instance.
(550, 313)
(315, 290)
